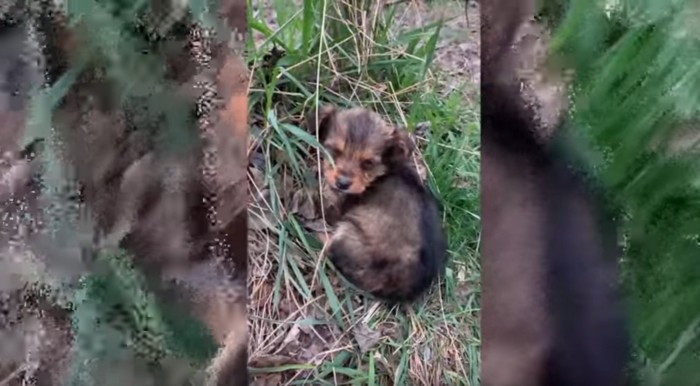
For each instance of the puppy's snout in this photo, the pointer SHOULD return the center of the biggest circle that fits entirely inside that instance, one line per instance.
(343, 182)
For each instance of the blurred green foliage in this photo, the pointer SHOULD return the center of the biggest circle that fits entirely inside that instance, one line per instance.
(115, 316)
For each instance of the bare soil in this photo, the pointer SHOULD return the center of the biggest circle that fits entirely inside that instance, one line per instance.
(458, 51)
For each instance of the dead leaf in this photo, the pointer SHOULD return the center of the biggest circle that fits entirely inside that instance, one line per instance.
(284, 184)
(268, 361)
(313, 351)
(274, 379)
(303, 204)
(422, 129)
(260, 219)
(292, 336)
(258, 178)
(366, 338)
(462, 183)
(264, 291)
(280, 156)
(257, 160)
(420, 166)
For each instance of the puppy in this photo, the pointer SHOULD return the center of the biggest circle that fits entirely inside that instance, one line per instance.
(388, 240)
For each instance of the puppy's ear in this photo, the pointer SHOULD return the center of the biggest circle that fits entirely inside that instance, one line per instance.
(400, 146)
(325, 114)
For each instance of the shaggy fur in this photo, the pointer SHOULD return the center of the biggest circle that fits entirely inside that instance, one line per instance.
(388, 240)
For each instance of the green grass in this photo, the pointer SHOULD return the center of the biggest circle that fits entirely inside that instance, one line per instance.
(307, 325)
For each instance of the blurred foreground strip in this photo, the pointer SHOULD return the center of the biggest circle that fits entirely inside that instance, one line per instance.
(123, 237)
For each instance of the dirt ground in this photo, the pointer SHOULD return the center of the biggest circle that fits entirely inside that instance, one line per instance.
(458, 50)
(458, 54)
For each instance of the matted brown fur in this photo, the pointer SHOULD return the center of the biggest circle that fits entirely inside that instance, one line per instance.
(388, 239)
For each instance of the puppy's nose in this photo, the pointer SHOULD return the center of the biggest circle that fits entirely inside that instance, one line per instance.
(342, 182)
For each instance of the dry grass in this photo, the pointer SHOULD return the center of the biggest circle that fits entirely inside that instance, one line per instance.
(308, 326)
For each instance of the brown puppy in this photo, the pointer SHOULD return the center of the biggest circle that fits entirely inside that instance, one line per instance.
(388, 240)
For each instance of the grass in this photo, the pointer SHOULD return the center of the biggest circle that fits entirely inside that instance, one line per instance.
(308, 326)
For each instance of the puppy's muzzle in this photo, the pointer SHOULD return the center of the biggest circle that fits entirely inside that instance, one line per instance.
(343, 182)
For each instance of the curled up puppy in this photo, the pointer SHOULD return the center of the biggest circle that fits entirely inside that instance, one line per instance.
(388, 239)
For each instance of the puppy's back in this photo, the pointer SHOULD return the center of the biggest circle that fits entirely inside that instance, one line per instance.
(401, 246)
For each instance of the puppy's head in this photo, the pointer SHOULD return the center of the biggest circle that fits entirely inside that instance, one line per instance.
(363, 146)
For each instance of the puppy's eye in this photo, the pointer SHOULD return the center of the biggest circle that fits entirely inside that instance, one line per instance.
(367, 164)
